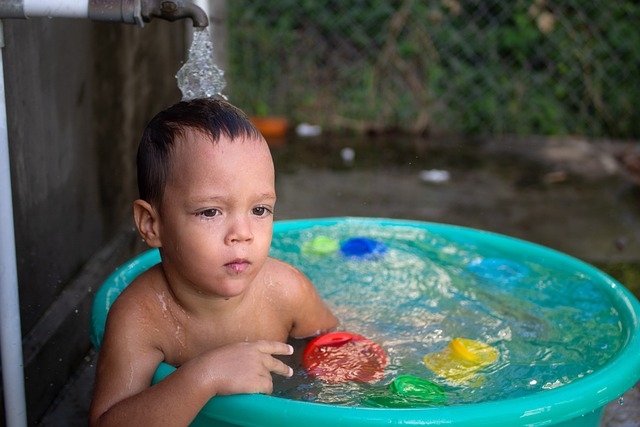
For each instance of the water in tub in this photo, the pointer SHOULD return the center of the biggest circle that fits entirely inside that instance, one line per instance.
(550, 326)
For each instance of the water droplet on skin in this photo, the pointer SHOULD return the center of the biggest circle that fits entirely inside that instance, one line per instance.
(164, 305)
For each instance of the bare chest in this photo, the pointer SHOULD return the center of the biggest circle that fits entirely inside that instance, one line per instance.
(184, 338)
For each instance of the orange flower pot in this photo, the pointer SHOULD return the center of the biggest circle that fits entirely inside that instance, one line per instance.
(271, 127)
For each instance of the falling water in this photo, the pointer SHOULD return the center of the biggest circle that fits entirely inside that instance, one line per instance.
(200, 77)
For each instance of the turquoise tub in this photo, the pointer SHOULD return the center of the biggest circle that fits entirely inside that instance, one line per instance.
(579, 403)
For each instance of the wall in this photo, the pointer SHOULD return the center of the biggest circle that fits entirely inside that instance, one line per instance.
(78, 95)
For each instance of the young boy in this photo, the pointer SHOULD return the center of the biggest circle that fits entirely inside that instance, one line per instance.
(216, 306)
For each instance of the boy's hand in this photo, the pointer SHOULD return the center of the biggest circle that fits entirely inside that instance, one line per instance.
(245, 368)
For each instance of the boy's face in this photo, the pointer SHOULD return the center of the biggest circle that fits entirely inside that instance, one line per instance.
(216, 218)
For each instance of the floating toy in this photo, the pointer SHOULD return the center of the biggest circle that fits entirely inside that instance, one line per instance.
(362, 247)
(418, 389)
(407, 391)
(339, 357)
(321, 245)
(460, 359)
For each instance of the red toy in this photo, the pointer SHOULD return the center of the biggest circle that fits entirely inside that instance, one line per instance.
(340, 356)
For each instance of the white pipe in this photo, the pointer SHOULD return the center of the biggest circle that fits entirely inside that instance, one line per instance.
(10, 330)
(57, 8)
(125, 11)
(204, 5)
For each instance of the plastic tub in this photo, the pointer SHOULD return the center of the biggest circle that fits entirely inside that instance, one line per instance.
(579, 403)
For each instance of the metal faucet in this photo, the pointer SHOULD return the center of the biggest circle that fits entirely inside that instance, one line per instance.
(126, 11)
(172, 10)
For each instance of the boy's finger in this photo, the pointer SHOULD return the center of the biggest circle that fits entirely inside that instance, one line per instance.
(275, 347)
(280, 368)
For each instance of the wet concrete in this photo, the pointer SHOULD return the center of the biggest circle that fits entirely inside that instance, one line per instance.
(568, 194)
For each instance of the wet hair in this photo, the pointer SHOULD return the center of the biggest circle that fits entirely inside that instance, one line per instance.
(213, 117)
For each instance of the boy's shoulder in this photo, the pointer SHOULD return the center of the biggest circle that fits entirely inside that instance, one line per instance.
(292, 282)
(282, 267)
(134, 318)
(140, 299)
(285, 273)
(299, 300)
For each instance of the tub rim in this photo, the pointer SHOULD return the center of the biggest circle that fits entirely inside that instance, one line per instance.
(567, 402)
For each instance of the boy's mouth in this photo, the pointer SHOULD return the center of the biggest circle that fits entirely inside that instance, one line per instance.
(238, 265)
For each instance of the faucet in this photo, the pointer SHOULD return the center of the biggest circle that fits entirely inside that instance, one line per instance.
(126, 11)
(172, 10)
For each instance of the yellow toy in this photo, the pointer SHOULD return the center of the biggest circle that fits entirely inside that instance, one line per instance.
(460, 359)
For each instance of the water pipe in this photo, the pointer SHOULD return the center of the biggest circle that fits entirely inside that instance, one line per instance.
(10, 331)
(125, 11)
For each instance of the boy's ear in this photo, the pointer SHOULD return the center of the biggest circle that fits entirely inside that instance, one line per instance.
(148, 222)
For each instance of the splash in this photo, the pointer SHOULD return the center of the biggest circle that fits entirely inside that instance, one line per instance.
(200, 77)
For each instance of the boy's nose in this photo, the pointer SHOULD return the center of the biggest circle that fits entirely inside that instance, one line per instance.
(240, 231)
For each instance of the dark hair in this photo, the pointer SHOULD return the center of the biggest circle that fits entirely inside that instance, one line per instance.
(213, 117)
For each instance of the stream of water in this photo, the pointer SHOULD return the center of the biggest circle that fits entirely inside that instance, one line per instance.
(200, 77)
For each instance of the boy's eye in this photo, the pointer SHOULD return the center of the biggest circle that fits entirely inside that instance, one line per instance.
(261, 211)
(209, 213)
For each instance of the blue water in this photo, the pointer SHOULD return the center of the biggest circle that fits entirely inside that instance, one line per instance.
(552, 325)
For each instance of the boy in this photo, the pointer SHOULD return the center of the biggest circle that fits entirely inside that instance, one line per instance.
(216, 306)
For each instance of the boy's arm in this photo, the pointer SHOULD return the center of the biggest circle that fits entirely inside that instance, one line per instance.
(311, 315)
(123, 395)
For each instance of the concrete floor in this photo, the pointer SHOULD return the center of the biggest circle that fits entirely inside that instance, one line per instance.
(567, 194)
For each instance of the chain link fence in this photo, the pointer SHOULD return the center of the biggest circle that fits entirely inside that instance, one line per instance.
(471, 66)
